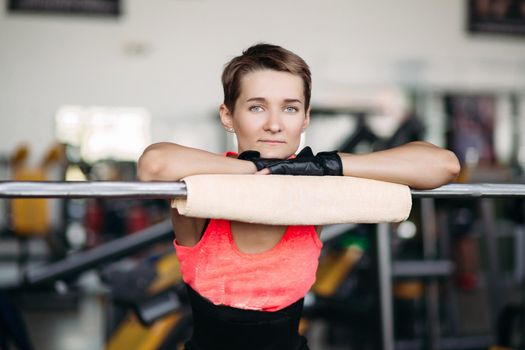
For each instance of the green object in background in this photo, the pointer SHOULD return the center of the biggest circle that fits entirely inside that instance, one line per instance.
(352, 240)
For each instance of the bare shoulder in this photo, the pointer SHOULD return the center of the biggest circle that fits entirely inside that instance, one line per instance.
(187, 229)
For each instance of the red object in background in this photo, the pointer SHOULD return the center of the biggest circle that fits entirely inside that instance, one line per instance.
(137, 219)
(94, 217)
(94, 223)
(467, 263)
(467, 281)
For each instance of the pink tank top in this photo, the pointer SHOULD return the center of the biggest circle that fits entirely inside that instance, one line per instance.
(267, 281)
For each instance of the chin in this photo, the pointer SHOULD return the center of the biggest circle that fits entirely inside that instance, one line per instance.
(275, 154)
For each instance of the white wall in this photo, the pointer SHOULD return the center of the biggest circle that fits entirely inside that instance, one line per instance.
(167, 56)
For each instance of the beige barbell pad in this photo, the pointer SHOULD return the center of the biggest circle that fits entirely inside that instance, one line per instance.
(294, 200)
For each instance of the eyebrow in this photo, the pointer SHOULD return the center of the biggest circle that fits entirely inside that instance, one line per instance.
(262, 99)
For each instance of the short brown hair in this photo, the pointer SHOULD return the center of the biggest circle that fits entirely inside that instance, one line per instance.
(259, 57)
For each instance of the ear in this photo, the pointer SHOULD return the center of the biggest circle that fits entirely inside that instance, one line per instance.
(226, 117)
(306, 121)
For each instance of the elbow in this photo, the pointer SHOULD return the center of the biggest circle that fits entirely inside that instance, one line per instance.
(452, 165)
(448, 162)
(150, 165)
(446, 169)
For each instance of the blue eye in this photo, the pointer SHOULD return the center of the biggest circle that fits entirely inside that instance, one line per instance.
(256, 109)
(290, 109)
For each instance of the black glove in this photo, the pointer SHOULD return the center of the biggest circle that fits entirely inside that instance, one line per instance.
(324, 163)
(255, 157)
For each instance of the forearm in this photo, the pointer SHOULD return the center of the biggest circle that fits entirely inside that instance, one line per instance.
(171, 162)
(419, 165)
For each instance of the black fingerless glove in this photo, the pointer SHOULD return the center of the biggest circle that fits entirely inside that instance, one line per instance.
(255, 158)
(324, 163)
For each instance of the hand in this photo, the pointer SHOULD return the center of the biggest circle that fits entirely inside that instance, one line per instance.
(304, 164)
(264, 171)
(255, 157)
(324, 163)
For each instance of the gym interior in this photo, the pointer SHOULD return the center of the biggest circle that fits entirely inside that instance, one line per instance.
(87, 85)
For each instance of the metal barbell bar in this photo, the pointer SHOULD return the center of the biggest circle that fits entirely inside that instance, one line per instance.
(117, 189)
(112, 189)
(91, 189)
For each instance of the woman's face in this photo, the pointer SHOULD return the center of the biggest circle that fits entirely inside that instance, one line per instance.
(269, 114)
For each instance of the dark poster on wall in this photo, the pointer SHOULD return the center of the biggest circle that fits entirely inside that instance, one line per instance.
(90, 7)
(470, 132)
(496, 16)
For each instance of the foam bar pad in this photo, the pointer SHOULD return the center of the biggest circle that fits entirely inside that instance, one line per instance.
(294, 200)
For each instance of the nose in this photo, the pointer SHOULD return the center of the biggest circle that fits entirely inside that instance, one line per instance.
(274, 122)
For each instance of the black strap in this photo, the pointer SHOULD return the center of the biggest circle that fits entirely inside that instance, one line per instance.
(204, 228)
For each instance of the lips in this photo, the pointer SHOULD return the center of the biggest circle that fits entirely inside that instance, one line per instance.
(272, 141)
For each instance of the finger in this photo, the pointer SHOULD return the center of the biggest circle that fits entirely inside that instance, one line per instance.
(264, 171)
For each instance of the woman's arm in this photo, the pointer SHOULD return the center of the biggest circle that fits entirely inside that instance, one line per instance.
(420, 165)
(171, 162)
(166, 161)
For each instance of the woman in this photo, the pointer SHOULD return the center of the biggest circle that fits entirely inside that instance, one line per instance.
(246, 282)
